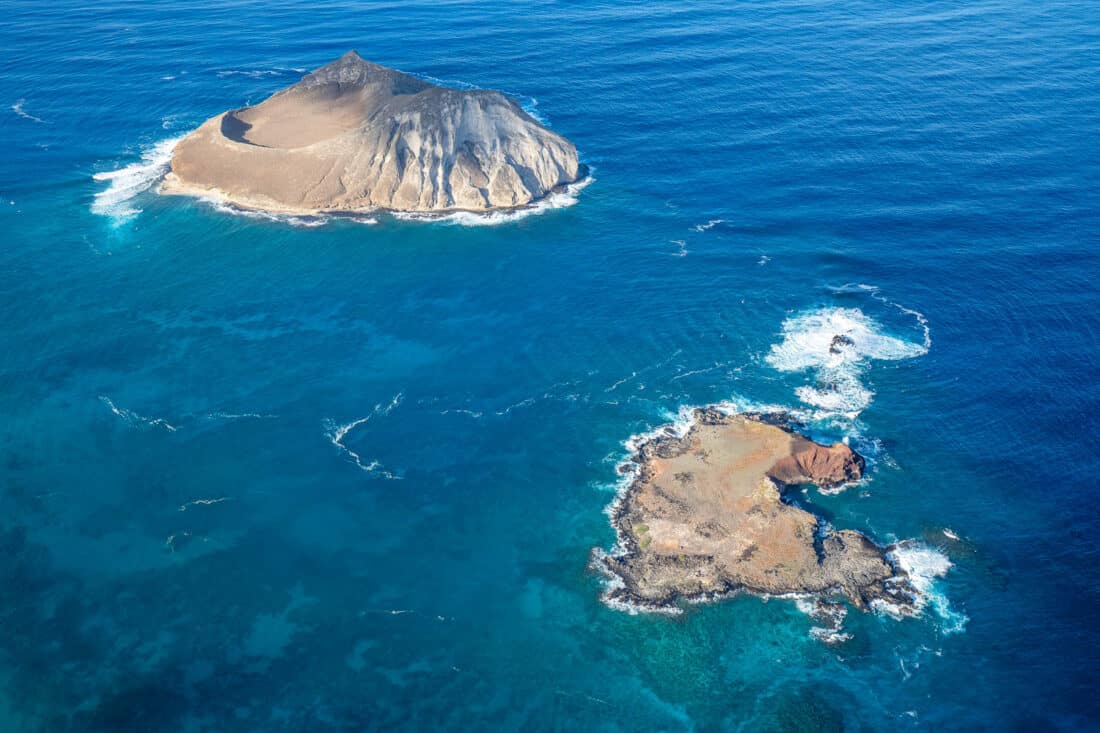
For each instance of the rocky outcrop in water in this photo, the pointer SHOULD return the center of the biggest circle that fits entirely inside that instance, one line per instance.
(811, 463)
(705, 515)
(355, 136)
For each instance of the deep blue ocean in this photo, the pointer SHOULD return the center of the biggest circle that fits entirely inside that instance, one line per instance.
(301, 475)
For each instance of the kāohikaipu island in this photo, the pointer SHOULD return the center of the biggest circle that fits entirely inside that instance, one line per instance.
(704, 514)
(355, 136)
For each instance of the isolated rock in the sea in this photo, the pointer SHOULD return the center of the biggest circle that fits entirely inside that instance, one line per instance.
(355, 136)
(705, 515)
(839, 343)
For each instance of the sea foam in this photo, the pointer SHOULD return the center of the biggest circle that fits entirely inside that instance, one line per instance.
(837, 345)
(18, 108)
(134, 418)
(124, 185)
(557, 200)
(337, 433)
(306, 222)
(925, 566)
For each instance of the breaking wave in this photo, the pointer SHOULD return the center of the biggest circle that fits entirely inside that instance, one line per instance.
(186, 420)
(136, 420)
(337, 433)
(124, 185)
(925, 566)
(18, 108)
(307, 222)
(837, 345)
(557, 200)
(709, 225)
(218, 201)
(829, 617)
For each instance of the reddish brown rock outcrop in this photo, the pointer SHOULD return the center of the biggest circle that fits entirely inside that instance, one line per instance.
(812, 463)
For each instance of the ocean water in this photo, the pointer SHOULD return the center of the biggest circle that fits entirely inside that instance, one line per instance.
(313, 475)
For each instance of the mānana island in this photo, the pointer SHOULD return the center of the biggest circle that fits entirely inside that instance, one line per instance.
(354, 136)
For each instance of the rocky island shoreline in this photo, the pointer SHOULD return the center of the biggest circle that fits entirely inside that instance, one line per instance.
(705, 515)
(354, 137)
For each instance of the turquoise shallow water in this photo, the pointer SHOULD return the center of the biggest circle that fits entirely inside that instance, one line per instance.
(199, 535)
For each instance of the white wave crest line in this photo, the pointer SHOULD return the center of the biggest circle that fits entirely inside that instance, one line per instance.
(548, 393)
(371, 467)
(337, 433)
(717, 365)
(239, 416)
(135, 419)
(343, 430)
(126, 183)
(531, 107)
(556, 200)
(682, 250)
(923, 566)
(921, 320)
(522, 403)
(176, 121)
(387, 409)
(221, 205)
(652, 367)
(203, 502)
(876, 292)
(621, 382)
(709, 225)
(17, 108)
(562, 199)
(462, 411)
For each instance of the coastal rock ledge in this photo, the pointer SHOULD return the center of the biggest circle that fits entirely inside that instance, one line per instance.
(704, 515)
(355, 136)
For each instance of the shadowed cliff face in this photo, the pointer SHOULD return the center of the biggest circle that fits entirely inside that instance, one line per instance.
(355, 135)
(705, 515)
